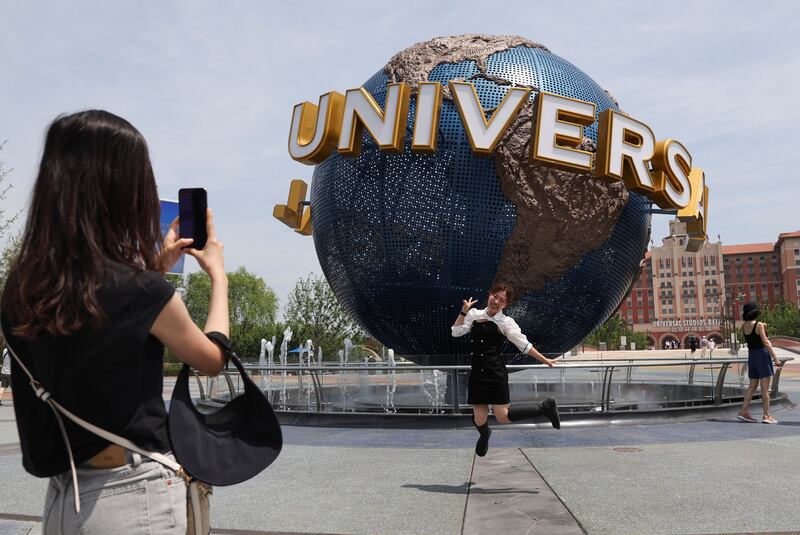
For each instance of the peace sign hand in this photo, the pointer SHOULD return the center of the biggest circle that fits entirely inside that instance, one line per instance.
(468, 304)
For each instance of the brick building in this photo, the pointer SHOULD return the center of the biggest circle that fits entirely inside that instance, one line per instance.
(680, 294)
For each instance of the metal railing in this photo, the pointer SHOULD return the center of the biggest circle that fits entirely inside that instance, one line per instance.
(606, 370)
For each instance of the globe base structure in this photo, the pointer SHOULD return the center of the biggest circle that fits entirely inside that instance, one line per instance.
(403, 238)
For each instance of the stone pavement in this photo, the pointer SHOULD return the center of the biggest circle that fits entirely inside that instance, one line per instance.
(706, 476)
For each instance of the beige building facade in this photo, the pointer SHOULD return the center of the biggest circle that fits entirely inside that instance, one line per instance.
(681, 295)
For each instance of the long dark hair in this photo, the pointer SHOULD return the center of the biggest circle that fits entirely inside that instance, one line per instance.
(94, 201)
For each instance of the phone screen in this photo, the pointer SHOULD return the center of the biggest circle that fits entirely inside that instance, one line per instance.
(192, 204)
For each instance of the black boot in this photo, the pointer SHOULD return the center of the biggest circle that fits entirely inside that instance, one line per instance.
(547, 409)
(482, 445)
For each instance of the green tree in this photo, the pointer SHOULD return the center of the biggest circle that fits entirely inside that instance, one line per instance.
(12, 246)
(611, 331)
(253, 307)
(783, 318)
(7, 257)
(5, 221)
(313, 312)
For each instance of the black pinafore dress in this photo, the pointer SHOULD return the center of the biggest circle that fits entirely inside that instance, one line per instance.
(488, 378)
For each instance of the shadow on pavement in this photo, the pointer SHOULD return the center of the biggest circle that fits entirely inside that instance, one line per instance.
(462, 489)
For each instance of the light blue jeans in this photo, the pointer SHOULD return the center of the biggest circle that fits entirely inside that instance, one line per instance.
(142, 497)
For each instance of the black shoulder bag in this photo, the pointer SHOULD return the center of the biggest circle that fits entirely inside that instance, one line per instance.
(230, 445)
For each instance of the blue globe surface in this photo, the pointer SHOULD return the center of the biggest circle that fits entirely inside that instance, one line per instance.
(403, 238)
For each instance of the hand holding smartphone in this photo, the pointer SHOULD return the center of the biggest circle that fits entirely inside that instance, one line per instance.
(192, 207)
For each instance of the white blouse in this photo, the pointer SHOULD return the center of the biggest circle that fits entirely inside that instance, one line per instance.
(507, 326)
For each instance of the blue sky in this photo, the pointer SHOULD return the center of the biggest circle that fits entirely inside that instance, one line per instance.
(211, 85)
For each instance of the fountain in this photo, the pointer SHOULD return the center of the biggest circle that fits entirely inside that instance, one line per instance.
(287, 337)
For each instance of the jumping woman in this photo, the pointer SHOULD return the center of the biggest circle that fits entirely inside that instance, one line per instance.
(488, 378)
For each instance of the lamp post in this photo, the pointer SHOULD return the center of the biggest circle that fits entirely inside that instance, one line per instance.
(719, 312)
(730, 319)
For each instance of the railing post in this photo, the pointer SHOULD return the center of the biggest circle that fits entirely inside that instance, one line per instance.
(317, 389)
(456, 392)
(720, 383)
(231, 388)
(607, 384)
(199, 384)
(775, 380)
(691, 373)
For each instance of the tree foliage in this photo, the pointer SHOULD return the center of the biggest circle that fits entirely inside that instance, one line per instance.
(253, 306)
(611, 331)
(783, 318)
(5, 221)
(313, 312)
(8, 255)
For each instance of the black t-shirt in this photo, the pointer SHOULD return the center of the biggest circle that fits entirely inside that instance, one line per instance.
(110, 376)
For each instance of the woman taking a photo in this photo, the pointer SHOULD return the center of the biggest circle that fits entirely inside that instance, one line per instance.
(488, 378)
(88, 311)
(760, 357)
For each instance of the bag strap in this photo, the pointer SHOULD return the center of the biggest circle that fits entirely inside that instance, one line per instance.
(58, 409)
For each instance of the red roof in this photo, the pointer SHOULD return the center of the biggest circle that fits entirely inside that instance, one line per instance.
(746, 248)
(785, 235)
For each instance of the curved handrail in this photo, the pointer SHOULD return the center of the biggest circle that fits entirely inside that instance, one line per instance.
(561, 365)
(606, 366)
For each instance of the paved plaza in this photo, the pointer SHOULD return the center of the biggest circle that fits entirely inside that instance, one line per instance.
(712, 475)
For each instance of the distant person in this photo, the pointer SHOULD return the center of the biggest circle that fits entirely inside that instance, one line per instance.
(5, 374)
(712, 345)
(692, 345)
(760, 357)
(488, 378)
(88, 312)
(703, 346)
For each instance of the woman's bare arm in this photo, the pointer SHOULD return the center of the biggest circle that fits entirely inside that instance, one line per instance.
(762, 332)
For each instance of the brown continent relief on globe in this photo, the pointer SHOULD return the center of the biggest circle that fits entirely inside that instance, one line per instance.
(561, 215)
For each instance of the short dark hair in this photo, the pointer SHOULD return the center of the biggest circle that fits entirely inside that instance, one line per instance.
(503, 287)
(750, 312)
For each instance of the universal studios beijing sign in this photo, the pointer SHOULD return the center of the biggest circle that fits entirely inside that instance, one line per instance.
(627, 149)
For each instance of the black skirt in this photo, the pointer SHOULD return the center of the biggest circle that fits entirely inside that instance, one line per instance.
(488, 381)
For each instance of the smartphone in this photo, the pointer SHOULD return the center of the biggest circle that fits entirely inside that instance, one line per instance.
(192, 205)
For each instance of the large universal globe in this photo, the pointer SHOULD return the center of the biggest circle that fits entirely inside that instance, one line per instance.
(404, 238)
